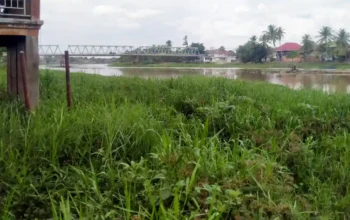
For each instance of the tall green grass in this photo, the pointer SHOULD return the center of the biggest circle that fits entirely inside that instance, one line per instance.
(187, 148)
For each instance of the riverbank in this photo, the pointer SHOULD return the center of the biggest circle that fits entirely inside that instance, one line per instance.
(191, 147)
(321, 66)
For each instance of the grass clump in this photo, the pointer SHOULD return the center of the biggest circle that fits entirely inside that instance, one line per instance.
(187, 148)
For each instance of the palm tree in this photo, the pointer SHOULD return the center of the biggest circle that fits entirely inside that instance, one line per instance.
(264, 39)
(272, 33)
(169, 43)
(343, 37)
(185, 41)
(253, 38)
(308, 44)
(280, 34)
(325, 36)
(222, 48)
(253, 41)
(343, 40)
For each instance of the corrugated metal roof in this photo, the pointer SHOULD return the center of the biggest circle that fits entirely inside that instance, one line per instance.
(289, 47)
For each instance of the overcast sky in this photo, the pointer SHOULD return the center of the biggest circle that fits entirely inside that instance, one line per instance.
(214, 23)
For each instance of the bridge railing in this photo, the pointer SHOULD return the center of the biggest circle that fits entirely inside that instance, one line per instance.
(50, 50)
(10, 8)
(98, 50)
(105, 50)
(165, 51)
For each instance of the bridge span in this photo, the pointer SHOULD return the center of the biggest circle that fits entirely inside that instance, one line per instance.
(110, 50)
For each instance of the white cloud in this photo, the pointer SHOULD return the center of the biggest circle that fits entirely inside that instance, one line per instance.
(122, 18)
(109, 10)
(143, 13)
(215, 23)
(104, 10)
(241, 9)
(261, 6)
(122, 23)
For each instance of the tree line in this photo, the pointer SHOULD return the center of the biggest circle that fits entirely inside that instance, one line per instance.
(165, 59)
(328, 45)
(258, 49)
(252, 52)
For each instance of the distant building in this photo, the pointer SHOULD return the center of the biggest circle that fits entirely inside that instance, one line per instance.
(219, 56)
(207, 59)
(283, 50)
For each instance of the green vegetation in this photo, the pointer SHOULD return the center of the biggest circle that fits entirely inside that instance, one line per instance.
(166, 48)
(330, 45)
(2, 58)
(320, 66)
(145, 60)
(200, 46)
(186, 148)
(307, 45)
(325, 36)
(169, 43)
(274, 34)
(280, 34)
(185, 41)
(252, 51)
(292, 54)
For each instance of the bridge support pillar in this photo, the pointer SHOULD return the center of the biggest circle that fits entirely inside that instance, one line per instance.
(28, 44)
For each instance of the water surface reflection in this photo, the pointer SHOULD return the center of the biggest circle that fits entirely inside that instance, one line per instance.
(322, 81)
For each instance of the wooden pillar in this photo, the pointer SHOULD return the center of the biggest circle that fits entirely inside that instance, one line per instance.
(20, 33)
(12, 70)
(29, 45)
(20, 46)
(32, 57)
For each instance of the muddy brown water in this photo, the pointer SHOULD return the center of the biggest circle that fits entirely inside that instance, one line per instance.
(327, 82)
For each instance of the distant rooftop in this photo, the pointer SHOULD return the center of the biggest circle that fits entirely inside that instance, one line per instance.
(289, 47)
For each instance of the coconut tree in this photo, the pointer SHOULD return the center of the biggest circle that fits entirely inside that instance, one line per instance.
(169, 43)
(185, 41)
(307, 44)
(272, 33)
(222, 48)
(264, 39)
(253, 43)
(253, 38)
(343, 37)
(342, 40)
(280, 34)
(325, 36)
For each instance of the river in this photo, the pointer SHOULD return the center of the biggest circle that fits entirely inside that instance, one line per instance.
(326, 82)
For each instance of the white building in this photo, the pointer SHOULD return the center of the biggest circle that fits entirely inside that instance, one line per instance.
(207, 59)
(219, 56)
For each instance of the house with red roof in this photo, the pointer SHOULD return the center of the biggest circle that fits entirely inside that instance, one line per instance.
(283, 50)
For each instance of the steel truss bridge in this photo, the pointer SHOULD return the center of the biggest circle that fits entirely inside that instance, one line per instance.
(100, 50)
